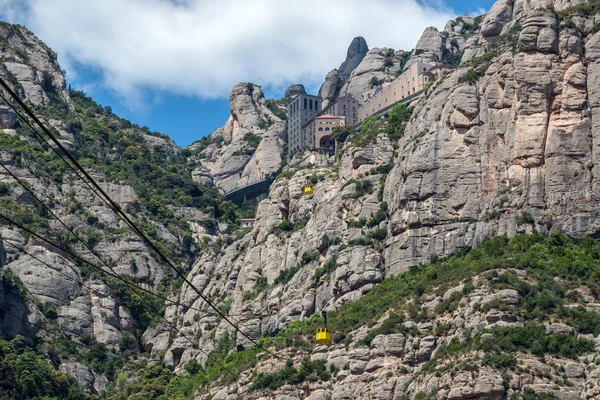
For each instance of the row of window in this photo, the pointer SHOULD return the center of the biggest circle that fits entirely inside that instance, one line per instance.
(309, 104)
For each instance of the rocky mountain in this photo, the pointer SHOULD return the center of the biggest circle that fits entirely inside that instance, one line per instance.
(502, 145)
(248, 148)
(404, 242)
(46, 294)
(357, 51)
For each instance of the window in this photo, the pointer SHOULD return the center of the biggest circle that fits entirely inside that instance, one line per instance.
(310, 104)
(320, 129)
(305, 100)
(326, 129)
(316, 105)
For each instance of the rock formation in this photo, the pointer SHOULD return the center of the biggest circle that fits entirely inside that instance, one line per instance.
(236, 159)
(331, 86)
(356, 52)
(294, 90)
(505, 143)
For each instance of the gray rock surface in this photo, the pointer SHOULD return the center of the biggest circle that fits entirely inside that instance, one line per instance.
(329, 89)
(356, 52)
(496, 19)
(236, 163)
(294, 90)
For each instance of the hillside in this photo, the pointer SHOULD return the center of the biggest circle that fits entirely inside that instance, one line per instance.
(452, 243)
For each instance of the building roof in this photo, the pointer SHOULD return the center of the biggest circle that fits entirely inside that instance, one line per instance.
(248, 219)
(327, 116)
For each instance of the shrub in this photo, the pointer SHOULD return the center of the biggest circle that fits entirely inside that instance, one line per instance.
(471, 76)
(127, 342)
(193, 367)
(379, 234)
(286, 275)
(532, 337)
(309, 370)
(375, 82)
(330, 266)
(398, 116)
(261, 284)
(4, 189)
(341, 133)
(286, 226)
(524, 218)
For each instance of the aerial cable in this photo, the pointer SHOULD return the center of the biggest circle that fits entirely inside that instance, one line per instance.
(42, 139)
(112, 272)
(80, 281)
(183, 334)
(117, 209)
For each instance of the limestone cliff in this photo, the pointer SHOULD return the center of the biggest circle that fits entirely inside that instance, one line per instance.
(45, 294)
(248, 148)
(504, 144)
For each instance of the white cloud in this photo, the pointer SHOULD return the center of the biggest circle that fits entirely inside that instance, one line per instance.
(204, 47)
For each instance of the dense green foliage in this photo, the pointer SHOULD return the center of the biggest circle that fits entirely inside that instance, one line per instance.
(397, 118)
(589, 8)
(157, 177)
(26, 374)
(309, 370)
(341, 133)
(532, 337)
(157, 382)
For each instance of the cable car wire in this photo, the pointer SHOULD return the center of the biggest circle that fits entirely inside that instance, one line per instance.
(117, 209)
(183, 334)
(112, 272)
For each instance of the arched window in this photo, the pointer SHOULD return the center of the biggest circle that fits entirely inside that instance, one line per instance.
(305, 101)
(327, 128)
(310, 104)
(316, 104)
(320, 129)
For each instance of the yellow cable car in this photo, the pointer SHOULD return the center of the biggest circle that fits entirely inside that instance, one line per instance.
(323, 336)
(308, 189)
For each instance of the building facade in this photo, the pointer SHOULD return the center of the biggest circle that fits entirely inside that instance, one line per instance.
(413, 80)
(346, 106)
(317, 132)
(301, 110)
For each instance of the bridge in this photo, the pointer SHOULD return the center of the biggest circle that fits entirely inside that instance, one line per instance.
(251, 191)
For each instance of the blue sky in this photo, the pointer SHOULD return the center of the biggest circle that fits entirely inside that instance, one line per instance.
(170, 64)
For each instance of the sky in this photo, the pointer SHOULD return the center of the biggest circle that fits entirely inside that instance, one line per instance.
(170, 64)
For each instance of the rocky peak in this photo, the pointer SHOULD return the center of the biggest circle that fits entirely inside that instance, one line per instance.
(356, 52)
(248, 147)
(31, 67)
(330, 88)
(429, 48)
(293, 90)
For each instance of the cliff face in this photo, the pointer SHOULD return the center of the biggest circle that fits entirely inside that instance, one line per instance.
(45, 293)
(248, 148)
(504, 144)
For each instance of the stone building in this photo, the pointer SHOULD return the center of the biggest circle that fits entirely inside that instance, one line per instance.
(301, 110)
(412, 81)
(346, 106)
(317, 132)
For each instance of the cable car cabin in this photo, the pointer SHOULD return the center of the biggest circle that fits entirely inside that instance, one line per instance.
(308, 190)
(323, 336)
